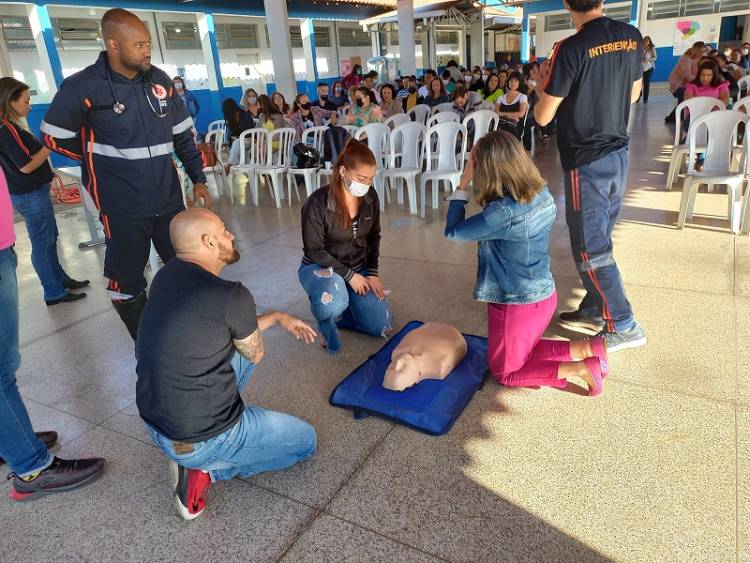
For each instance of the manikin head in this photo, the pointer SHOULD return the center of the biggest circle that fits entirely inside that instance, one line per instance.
(402, 373)
(201, 237)
(127, 40)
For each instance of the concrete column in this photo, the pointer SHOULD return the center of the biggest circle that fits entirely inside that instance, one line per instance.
(406, 45)
(41, 27)
(462, 46)
(525, 42)
(477, 41)
(210, 47)
(431, 46)
(308, 45)
(375, 38)
(490, 46)
(281, 47)
(6, 69)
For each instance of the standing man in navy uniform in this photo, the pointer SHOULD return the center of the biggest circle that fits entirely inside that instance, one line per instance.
(590, 82)
(122, 119)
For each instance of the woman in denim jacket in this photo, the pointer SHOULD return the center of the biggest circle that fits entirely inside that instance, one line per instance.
(514, 275)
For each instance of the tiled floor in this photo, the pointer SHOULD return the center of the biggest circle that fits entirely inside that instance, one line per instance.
(656, 469)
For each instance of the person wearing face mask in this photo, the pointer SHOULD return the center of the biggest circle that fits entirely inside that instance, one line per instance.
(324, 101)
(306, 115)
(341, 238)
(339, 96)
(448, 82)
(250, 103)
(477, 83)
(365, 110)
(187, 97)
(354, 78)
(745, 62)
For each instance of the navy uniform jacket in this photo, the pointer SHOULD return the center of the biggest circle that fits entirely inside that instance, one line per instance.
(126, 158)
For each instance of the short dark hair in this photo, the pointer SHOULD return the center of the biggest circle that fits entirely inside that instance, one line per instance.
(390, 87)
(321, 84)
(584, 6)
(430, 71)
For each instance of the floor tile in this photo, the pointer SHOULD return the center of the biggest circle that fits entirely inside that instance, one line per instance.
(743, 502)
(67, 426)
(130, 423)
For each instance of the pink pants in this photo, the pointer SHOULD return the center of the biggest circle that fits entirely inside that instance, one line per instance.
(518, 356)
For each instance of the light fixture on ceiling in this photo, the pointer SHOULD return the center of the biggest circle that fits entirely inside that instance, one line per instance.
(177, 30)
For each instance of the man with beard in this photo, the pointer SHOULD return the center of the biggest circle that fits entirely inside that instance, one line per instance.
(122, 119)
(198, 343)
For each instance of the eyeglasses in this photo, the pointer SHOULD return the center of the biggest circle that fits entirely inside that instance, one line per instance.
(162, 103)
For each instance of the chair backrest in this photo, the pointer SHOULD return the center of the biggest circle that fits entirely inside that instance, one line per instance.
(313, 137)
(720, 128)
(377, 140)
(406, 142)
(698, 106)
(442, 117)
(351, 129)
(219, 124)
(284, 139)
(420, 112)
(447, 106)
(475, 99)
(484, 120)
(742, 105)
(440, 144)
(396, 120)
(253, 148)
(743, 83)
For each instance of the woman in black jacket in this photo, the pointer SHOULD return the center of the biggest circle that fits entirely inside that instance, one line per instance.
(341, 236)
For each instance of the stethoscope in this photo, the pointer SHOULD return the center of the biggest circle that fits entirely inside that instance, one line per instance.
(119, 108)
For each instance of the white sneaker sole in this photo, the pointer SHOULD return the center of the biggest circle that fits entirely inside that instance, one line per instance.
(627, 345)
(182, 511)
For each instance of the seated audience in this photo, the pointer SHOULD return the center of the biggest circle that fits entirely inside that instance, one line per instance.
(341, 236)
(513, 234)
(502, 79)
(454, 71)
(728, 75)
(429, 76)
(354, 78)
(683, 73)
(364, 110)
(478, 82)
(250, 102)
(238, 119)
(512, 107)
(448, 82)
(339, 96)
(199, 341)
(437, 94)
(278, 100)
(324, 101)
(708, 82)
(460, 99)
(306, 115)
(390, 105)
(491, 91)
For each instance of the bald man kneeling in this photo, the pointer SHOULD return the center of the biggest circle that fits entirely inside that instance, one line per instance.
(198, 342)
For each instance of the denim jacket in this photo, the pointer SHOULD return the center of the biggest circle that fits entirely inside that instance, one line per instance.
(514, 263)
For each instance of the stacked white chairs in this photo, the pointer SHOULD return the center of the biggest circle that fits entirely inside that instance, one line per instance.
(742, 105)
(253, 153)
(447, 106)
(743, 85)
(442, 117)
(444, 162)
(377, 141)
(277, 162)
(697, 107)
(312, 137)
(720, 128)
(404, 163)
(420, 113)
(396, 120)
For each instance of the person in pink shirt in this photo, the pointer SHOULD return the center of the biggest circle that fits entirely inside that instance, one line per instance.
(684, 72)
(708, 82)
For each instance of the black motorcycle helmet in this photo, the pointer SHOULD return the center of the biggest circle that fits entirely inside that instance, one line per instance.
(304, 156)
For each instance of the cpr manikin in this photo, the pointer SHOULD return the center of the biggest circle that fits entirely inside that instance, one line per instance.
(431, 351)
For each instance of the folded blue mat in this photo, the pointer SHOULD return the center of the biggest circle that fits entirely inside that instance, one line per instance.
(431, 406)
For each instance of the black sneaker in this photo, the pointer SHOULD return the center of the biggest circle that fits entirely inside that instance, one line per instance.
(63, 475)
(190, 489)
(70, 283)
(67, 298)
(633, 338)
(578, 318)
(49, 438)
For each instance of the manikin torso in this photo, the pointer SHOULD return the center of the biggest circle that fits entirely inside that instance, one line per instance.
(431, 351)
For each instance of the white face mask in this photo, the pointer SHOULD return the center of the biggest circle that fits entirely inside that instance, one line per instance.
(357, 189)
(531, 83)
(252, 99)
(745, 51)
(468, 78)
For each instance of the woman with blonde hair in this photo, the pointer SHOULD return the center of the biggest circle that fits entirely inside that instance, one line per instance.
(514, 277)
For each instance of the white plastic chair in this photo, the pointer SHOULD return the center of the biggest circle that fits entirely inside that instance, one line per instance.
(404, 163)
(443, 161)
(442, 117)
(447, 106)
(312, 137)
(484, 120)
(697, 107)
(253, 152)
(277, 162)
(219, 125)
(377, 141)
(475, 100)
(742, 105)
(721, 130)
(743, 84)
(352, 130)
(396, 120)
(217, 170)
(420, 113)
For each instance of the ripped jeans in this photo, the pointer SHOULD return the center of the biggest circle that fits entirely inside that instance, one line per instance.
(334, 304)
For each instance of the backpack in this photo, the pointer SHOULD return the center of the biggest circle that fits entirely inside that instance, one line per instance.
(334, 140)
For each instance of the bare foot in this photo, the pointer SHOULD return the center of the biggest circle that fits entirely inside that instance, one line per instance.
(578, 370)
(580, 350)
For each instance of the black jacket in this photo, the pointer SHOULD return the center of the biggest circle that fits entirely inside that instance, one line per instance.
(330, 246)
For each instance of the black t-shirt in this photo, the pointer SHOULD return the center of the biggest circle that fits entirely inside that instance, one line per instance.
(327, 104)
(17, 146)
(186, 386)
(594, 71)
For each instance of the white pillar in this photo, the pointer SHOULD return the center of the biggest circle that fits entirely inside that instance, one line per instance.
(406, 45)
(477, 42)
(375, 38)
(281, 47)
(490, 46)
(308, 46)
(37, 16)
(432, 40)
(207, 34)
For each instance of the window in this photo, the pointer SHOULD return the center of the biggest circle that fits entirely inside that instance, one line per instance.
(663, 9)
(557, 22)
(72, 34)
(322, 36)
(619, 13)
(354, 37)
(296, 36)
(18, 35)
(181, 35)
(237, 36)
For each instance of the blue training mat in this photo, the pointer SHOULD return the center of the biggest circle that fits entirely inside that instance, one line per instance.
(431, 406)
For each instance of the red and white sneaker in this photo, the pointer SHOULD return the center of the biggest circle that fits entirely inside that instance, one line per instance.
(190, 488)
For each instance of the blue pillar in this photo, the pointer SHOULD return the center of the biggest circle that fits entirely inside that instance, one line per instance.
(634, 12)
(525, 46)
(49, 42)
(214, 49)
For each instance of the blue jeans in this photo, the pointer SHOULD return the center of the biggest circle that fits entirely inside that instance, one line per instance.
(262, 440)
(593, 199)
(36, 209)
(19, 446)
(335, 305)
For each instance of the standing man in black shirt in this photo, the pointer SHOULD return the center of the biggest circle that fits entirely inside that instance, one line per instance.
(198, 343)
(590, 82)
